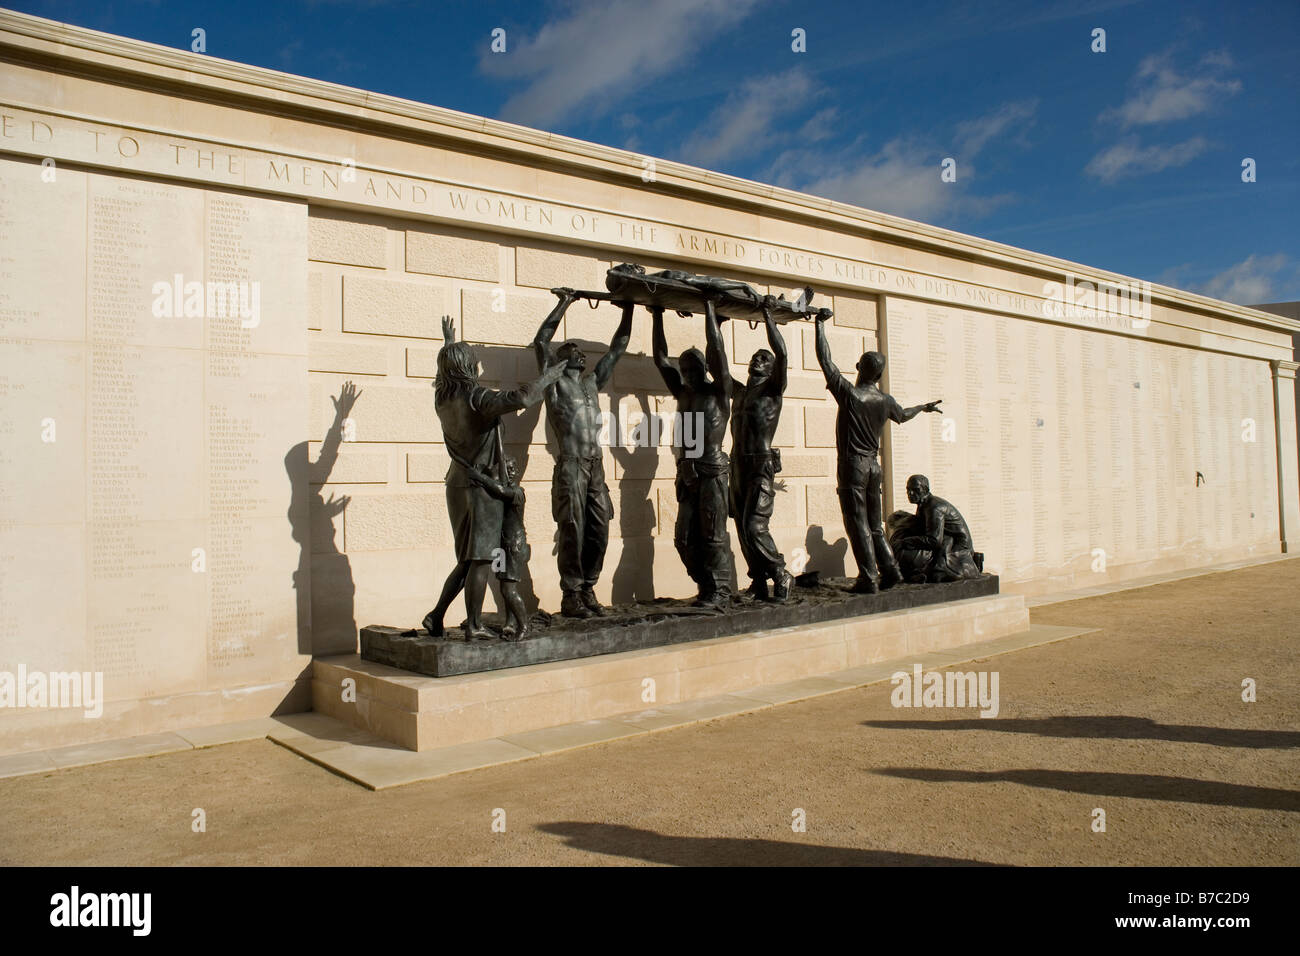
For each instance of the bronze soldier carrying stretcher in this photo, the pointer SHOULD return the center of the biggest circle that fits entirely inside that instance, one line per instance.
(485, 501)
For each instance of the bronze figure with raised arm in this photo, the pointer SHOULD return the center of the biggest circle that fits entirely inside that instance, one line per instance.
(701, 384)
(755, 413)
(580, 498)
(470, 415)
(859, 426)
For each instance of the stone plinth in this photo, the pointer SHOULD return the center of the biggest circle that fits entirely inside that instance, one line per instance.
(640, 626)
(422, 713)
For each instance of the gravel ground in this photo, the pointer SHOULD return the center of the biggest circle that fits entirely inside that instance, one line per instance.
(1143, 719)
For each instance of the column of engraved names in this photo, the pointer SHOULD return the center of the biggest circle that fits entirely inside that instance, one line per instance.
(1121, 403)
(1242, 525)
(1096, 441)
(1069, 433)
(119, 255)
(942, 370)
(15, 322)
(909, 446)
(1013, 530)
(1041, 425)
(1225, 441)
(1142, 450)
(234, 618)
(1161, 380)
(1181, 489)
(977, 439)
(1202, 452)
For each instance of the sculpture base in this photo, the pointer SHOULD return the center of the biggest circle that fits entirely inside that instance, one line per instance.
(640, 626)
(703, 678)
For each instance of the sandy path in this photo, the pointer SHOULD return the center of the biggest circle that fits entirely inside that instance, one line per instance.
(1143, 719)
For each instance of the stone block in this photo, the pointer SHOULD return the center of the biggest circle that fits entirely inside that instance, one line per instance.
(457, 256)
(824, 507)
(396, 522)
(597, 326)
(349, 356)
(382, 306)
(513, 322)
(789, 429)
(638, 373)
(819, 426)
(426, 466)
(421, 363)
(548, 268)
(808, 387)
(382, 413)
(807, 466)
(342, 240)
(846, 349)
(852, 312)
(351, 467)
(318, 288)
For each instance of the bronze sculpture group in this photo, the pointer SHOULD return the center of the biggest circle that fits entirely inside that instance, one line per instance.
(485, 499)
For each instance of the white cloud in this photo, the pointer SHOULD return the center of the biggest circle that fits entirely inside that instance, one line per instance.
(747, 120)
(1128, 158)
(821, 125)
(1164, 95)
(601, 50)
(973, 135)
(901, 179)
(902, 176)
(1254, 280)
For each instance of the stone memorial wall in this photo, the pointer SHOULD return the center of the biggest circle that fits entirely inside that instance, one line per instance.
(183, 511)
(145, 525)
(1077, 453)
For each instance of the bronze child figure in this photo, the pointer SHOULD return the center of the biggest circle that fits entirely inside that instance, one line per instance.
(515, 550)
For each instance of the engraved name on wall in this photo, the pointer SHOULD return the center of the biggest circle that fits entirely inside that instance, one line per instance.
(148, 411)
(1071, 450)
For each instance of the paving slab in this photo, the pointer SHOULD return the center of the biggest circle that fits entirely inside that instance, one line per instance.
(17, 765)
(146, 745)
(231, 733)
(689, 712)
(567, 736)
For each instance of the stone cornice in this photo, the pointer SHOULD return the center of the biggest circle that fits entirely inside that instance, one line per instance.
(73, 49)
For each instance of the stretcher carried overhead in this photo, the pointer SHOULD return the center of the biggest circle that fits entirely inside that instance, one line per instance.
(686, 293)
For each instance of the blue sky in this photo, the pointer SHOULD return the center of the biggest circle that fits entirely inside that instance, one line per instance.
(1129, 160)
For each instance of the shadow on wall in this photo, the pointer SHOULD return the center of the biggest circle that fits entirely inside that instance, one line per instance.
(634, 578)
(326, 613)
(824, 557)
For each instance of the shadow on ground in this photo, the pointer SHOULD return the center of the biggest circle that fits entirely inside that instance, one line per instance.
(1107, 728)
(1141, 786)
(615, 840)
